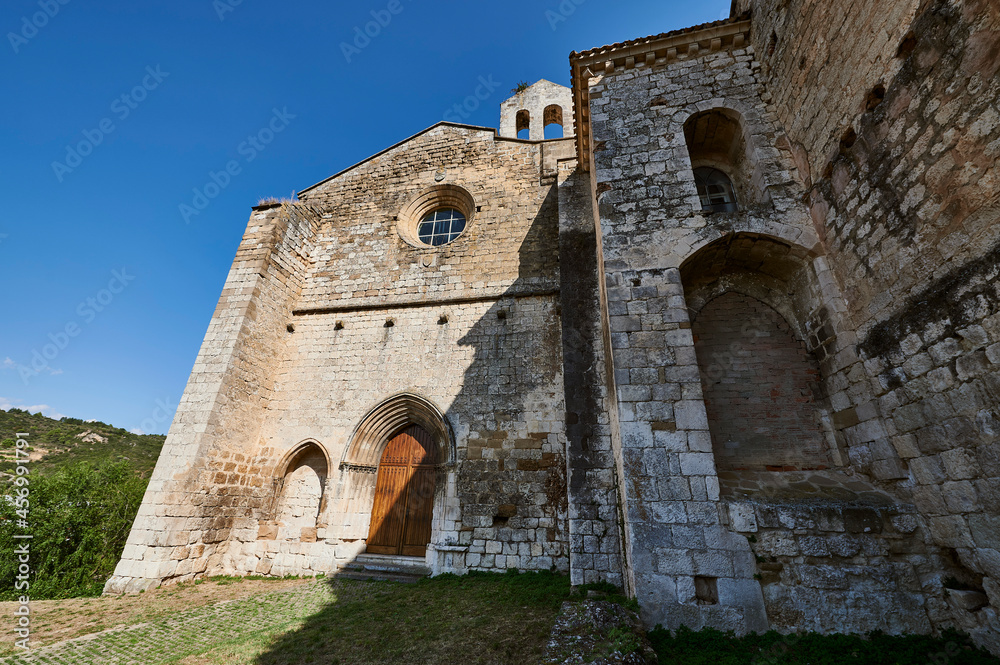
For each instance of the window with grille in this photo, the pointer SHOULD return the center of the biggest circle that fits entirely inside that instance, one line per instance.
(441, 226)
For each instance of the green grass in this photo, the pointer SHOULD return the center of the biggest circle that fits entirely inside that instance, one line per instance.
(477, 619)
(713, 647)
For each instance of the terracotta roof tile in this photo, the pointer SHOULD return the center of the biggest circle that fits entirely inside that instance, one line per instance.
(651, 38)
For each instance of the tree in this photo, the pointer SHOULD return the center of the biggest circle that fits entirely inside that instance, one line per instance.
(79, 519)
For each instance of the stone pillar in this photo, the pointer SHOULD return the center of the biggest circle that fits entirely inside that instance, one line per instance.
(671, 490)
(595, 548)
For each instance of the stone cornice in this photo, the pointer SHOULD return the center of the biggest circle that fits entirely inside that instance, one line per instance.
(648, 51)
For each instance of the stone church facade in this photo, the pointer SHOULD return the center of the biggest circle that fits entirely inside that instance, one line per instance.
(732, 343)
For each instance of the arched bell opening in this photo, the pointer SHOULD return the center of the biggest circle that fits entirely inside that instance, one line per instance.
(552, 121)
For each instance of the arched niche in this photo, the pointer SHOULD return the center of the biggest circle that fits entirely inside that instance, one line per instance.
(300, 491)
(717, 141)
(758, 313)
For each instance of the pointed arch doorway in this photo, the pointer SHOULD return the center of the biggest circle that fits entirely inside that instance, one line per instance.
(404, 495)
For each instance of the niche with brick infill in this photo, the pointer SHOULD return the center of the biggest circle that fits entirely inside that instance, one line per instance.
(752, 300)
(759, 385)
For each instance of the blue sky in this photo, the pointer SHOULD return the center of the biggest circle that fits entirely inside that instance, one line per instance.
(114, 114)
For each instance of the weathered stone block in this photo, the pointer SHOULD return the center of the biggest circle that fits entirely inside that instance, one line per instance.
(985, 530)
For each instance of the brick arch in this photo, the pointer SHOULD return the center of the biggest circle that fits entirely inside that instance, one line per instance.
(760, 386)
(757, 265)
(389, 417)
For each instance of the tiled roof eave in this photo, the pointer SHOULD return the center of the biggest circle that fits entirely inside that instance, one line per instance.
(666, 47)
(642, 43)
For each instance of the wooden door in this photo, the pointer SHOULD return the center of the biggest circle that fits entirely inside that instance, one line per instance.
(404, 495)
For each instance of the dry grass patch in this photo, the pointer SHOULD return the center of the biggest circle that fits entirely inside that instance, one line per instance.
(58, 620)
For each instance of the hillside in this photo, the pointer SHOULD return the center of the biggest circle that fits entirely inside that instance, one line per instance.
(55, 444)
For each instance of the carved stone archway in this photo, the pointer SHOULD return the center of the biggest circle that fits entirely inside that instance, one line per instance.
(371, 435)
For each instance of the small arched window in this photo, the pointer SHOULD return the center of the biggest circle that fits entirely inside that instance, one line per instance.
(715, 189)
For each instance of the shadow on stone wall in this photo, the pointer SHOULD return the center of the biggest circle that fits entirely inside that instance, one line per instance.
(511, 479)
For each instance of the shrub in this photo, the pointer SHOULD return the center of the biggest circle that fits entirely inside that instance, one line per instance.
(79, 519)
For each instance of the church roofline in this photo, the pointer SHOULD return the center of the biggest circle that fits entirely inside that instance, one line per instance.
(665, 47)
(396, 145)
(644, 41)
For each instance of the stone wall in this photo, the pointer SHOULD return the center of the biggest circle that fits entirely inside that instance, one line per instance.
(902, 169)
(207, 479)
(664, 261)
(362, 260)
(834, 554)
(331, 309)
(819, 62)
(650, 223)
(498, 383)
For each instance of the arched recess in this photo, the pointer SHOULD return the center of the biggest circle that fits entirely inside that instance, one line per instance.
(763, 266)
(717, 141)
(299, 483)
(389, 417)
(552, 117)
(764, 343)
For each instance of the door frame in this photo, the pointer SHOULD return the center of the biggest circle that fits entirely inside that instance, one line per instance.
(411, 470)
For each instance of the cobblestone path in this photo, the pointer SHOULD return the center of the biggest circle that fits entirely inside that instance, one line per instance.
(195, 630)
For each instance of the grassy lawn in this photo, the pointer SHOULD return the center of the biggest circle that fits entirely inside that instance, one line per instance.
(713, 647)
(57, 620)
(478, 619)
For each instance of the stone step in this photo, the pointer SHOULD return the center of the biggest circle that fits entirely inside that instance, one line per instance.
(385, 567)
(368, 576)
